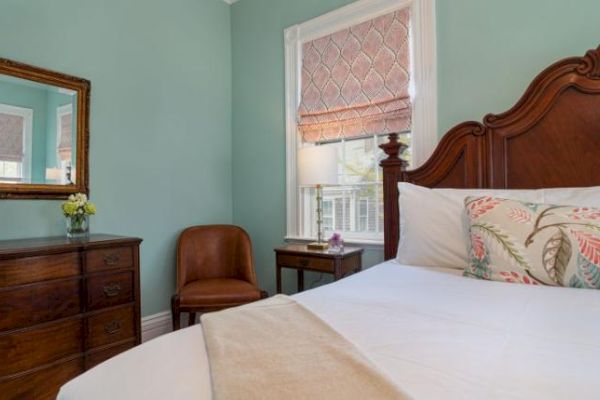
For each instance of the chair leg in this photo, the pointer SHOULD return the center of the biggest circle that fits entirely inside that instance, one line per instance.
(175, 313)
(192, 319)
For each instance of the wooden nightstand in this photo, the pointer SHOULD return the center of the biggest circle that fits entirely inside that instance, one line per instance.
(300, 258)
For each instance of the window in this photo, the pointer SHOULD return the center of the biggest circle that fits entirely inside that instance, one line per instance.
(10, 170)
(355, 207)
(15, 143)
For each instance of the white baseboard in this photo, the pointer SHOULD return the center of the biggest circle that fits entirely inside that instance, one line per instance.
(159, 324)
(156, 325)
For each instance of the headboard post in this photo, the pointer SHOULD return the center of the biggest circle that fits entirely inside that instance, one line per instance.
(393, 168)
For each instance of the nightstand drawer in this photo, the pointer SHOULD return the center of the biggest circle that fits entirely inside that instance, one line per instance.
(110, 327)
(319, 264)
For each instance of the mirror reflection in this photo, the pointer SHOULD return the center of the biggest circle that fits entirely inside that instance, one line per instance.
(38, 133)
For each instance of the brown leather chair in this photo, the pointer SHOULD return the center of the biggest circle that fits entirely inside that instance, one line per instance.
(214, 271)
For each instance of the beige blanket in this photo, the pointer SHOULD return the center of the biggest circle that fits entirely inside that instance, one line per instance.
(278, 349)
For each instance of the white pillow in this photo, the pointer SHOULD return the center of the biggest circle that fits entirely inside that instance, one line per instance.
(582, 197)
(433, 229)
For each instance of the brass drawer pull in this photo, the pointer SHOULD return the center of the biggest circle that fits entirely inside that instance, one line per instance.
(112, 327)
(111, 259)
(112, 290)
(304, 262)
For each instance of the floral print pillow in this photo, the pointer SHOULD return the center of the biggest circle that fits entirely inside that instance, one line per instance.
(535, 244)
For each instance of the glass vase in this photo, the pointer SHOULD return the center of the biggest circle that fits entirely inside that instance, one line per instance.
(78, 226)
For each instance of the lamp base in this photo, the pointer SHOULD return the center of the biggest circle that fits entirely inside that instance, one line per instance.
(318, 246)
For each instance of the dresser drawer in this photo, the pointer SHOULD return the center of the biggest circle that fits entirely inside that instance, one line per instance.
(33, 304)
(97, 357)
(43, 384)
(109, 290)
(32, 348)
(19, 271)
(106, 259)
(110, 327)
(319, 264)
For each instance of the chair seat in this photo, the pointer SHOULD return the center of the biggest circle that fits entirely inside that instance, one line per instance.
(218, 292)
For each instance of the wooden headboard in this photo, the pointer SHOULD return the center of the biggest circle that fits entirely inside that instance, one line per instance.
(550, 138)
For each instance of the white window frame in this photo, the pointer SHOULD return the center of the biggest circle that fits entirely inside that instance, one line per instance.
(424, 130)
(27, 115)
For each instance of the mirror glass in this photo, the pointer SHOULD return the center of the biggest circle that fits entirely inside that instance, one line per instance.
(38, 133)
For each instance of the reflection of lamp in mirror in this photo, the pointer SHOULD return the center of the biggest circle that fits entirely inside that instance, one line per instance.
(317, 167)
(54, 174)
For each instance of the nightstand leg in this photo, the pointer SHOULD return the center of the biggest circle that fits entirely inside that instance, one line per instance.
(337, 270)
(359, 267)
(300, 280)
(278, 279)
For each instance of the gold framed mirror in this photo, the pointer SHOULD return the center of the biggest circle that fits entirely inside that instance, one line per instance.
(44, 132)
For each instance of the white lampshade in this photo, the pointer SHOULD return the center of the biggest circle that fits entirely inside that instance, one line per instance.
(317, 165)
(53, 174)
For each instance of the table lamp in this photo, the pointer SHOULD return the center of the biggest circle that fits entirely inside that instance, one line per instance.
(317, 167)
(54, 174)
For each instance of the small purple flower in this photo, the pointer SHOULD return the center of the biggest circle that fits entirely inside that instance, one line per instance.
(336, 240)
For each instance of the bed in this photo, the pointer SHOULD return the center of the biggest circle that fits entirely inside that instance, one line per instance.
(435, 333)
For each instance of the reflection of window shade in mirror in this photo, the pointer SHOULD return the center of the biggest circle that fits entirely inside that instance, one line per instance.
(11, 137)
(15, 143)
(64, 132)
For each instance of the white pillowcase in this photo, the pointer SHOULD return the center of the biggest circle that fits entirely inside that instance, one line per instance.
(433, 229)
(582, 197)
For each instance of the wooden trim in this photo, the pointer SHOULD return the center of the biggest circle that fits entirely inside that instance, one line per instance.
(549, 138)
(83, 89)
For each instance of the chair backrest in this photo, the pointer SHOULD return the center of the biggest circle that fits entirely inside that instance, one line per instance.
(214, 251)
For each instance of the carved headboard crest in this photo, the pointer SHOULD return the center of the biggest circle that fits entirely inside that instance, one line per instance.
(590, 64)
(549, 138)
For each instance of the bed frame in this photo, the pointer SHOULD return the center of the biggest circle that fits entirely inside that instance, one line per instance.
(550, 138)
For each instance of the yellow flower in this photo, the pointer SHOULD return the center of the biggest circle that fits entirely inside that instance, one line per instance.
(69, 208)
(89, 208)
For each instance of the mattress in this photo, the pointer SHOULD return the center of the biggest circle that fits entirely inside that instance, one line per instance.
(436, 334)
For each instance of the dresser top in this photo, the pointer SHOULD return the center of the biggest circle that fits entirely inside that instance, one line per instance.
(60, 243)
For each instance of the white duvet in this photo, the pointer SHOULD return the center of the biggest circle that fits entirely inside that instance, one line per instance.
(438, 335)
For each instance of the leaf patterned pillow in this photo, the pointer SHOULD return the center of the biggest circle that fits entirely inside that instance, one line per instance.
(529, 243)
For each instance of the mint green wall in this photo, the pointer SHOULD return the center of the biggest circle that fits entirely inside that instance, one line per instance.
(162, 83)
(37, 100)
(488, 52)
(160, 149)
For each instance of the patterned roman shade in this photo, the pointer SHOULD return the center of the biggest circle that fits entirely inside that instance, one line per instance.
(356, 82)
(65, 146)
(11, 137)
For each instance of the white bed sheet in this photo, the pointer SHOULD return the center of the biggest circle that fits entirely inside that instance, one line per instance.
(438, 335)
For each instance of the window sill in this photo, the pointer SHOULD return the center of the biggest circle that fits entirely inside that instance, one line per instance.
(365, 243)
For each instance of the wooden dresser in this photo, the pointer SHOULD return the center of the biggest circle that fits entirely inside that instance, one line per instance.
(65, 306)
